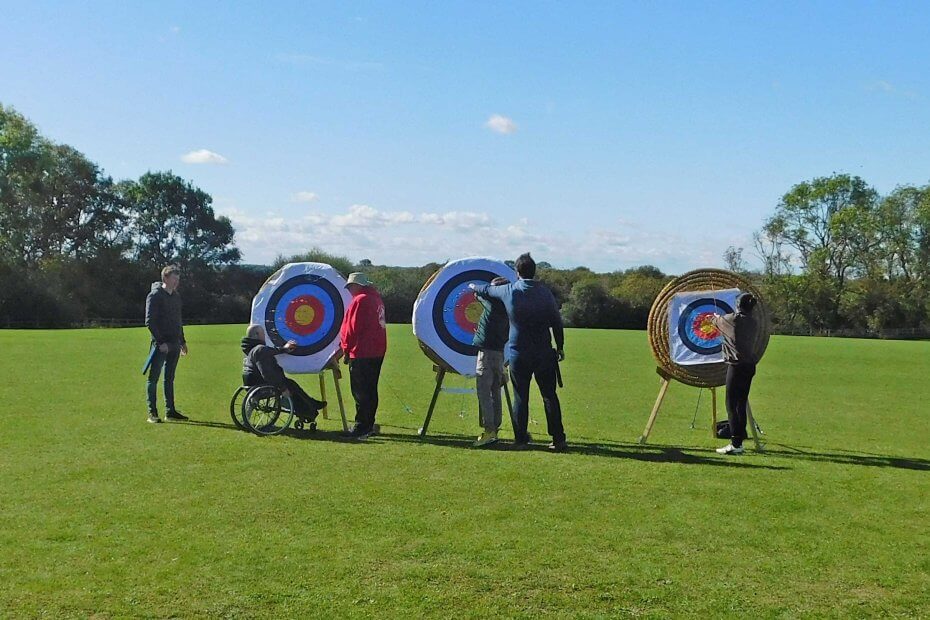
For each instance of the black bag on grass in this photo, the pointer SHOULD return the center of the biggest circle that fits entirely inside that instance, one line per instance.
(723, 430)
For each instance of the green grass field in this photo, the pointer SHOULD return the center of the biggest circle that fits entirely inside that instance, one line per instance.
(104, 515)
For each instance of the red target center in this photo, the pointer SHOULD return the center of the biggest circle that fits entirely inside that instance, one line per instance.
(468, 311)
(304, 315)
(703, 326)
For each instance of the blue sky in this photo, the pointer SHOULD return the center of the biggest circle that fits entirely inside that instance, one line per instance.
(607, 135)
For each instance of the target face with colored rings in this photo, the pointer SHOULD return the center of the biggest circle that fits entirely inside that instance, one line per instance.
(303, 302)
(304, 309)
(696, 328)
(447, 312)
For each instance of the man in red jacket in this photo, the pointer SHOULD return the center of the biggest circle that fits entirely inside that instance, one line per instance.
(364, 343)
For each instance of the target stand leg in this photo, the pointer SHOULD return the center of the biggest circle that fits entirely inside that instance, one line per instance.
(325, 410)
(342, 408)
(655, 411)
(440, 375)
(713, 413)
(760, 447)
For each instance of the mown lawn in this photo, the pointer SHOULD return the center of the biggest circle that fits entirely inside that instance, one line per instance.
(104, 515)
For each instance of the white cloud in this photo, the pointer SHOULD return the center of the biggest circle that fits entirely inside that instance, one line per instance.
(203, 156)
(407, 238)
(461, 220)
(304, 197)
(363, 216)
(175, 29)
(501, 124)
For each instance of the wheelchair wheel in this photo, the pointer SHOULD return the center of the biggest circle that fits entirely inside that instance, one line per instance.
(235, 407)
(265, 411)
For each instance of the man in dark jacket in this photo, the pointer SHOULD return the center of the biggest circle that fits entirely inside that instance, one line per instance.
(163, 318)
(490, 338)
(259, 367)
(533, 313)
(739, 331)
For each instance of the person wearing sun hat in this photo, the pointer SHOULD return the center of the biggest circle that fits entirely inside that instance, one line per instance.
(364, 344)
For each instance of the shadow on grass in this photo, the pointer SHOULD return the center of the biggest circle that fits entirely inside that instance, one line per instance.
(850, 457)
(648, 453)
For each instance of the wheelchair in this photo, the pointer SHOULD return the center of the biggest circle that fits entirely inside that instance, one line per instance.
(265, 410)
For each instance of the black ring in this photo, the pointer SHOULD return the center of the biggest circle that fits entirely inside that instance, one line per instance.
(687, 311)
(439, 302)
(338, 310)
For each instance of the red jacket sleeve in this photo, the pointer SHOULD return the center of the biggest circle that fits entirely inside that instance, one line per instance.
(349, 332)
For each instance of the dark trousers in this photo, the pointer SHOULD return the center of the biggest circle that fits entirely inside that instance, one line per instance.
(364, 373)
(168, 361)
(305, 406)
(739, 379)
(523, 367)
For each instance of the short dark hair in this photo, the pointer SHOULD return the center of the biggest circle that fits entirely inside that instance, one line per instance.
(745, 303)
(525, 266)
(169, 270)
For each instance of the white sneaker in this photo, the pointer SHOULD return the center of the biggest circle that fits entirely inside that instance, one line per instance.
(730, 449)
(486, 439)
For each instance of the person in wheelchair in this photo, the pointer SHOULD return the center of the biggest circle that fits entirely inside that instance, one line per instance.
(259, 367)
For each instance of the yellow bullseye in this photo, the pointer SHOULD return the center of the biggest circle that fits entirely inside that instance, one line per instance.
(304, 314)
(473, 312)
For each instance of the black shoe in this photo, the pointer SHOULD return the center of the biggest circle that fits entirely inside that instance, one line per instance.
(520, 445)
(558, 446)
(153, 418)
(176, 416)
(357, 433)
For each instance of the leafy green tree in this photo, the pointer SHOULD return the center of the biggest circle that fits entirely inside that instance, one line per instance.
(171, 221)
(829, 226)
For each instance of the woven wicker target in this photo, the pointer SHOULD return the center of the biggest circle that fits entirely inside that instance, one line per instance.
(703, 375)
(700, 375)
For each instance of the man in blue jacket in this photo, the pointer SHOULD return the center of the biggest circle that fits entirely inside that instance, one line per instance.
(534, 321)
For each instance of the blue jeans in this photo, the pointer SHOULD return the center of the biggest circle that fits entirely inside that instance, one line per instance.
(168, 361)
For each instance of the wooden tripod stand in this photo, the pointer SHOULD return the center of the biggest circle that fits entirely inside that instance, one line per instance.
(336, 373)
(663, 389)
(441, 373)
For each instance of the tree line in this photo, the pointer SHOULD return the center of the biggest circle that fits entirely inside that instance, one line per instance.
(75, 246)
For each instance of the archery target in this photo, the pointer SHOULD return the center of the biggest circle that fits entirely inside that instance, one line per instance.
(446, 313)
(693, 339)
(303, 302)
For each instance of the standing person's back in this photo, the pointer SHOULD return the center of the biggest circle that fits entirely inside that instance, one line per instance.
(534, 321)
(490, 339)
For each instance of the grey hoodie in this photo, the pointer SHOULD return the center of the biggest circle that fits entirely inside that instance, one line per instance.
(163, 315)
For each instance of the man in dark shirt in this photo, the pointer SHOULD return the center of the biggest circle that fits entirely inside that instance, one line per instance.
(163, 318)
(533, 313)
(490, 338)
(739, 331)
(259, 367)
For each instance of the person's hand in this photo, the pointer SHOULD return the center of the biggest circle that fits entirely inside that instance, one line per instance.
(290, 345)
(345, 359)
(163, 347)
(184, 349)
(473, 286)
(561, 354)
